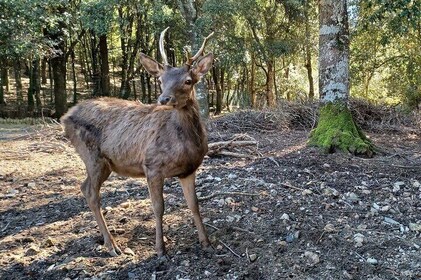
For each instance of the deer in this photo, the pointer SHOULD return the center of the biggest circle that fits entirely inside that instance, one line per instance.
(156, 141)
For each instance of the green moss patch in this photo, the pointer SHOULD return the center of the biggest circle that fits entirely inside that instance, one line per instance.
(336, 130)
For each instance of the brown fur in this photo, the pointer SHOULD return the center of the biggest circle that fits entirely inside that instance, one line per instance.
(136, 140)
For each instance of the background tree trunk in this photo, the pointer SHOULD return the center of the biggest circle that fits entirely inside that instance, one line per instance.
(189, 11)
(18, 80)
(105, 69)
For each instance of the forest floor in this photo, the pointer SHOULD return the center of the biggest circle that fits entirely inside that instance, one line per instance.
(287, 211)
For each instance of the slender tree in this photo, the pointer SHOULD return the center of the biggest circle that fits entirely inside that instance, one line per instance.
(336, 128)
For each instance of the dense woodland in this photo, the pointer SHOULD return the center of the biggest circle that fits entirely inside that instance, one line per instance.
(54, 53)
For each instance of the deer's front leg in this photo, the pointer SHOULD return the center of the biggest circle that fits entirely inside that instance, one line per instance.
(189, 191)
(155, 186)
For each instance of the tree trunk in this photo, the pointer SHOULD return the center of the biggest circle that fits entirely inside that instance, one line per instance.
(336, 129)
(72, 56)
(2, 101)
(215, 75)
(18, 80)
(5, 75)
(189, 11)
(44, 70)
(58, 64)
(252, 90)
(307, 49)
(270, 93)
(95, 69)
(105, 69)
(143, 86)
(34, 86)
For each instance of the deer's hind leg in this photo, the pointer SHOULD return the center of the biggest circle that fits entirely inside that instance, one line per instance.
(98, 171)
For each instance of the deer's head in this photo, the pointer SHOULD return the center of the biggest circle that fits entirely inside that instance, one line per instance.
(177, 83)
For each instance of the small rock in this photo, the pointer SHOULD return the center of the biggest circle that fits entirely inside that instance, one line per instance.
(125, 204)
(282, 243)
(12, 193)
(252, 257)
(347, 275)
(416, 184)
(129, 251)
(330, 192)
(208, 273)
(229, 200)
(312, 257)
(221, 202)
(415, 227)
(292, 236)
(31, 185)
(376, 206)
(326, 165)
(359, 239)
(230, 219)
(185, 263)
(217, 179)
(232, 176)
(306, 192)
(254, 209)
(32, 251)
(285, 216)
(49, 242)
(390, 221)
(131, 275)
(385, 208)
(329, 228)
(352, 197)
(273, 192)
(397, 186)
(123, 220)
(372, 261)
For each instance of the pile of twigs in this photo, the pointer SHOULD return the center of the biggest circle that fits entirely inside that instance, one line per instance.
(303, 116)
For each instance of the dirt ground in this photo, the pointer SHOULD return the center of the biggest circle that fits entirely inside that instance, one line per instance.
(287, 211)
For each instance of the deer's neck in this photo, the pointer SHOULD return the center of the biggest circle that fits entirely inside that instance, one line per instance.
(189, 124)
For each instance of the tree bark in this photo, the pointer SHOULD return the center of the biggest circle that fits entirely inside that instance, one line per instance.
(307, 49)
(105, 69)
(336, 130)
(2, 101)
(333, 51)
(252, 90)
(189, 11)
(44, 71)
(18, 80)
(270, 84)
(215, 75)
(5, 75)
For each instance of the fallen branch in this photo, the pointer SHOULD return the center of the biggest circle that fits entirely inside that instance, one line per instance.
(288, 185)
(231, 250)
(225, 193)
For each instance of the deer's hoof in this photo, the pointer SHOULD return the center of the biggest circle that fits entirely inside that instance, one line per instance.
(114, 252)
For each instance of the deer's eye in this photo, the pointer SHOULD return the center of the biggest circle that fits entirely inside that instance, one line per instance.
(188, 82)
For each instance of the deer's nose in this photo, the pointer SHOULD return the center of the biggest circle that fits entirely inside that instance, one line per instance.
(164, 100)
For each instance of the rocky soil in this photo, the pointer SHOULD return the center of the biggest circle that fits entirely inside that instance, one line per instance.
(283, 211)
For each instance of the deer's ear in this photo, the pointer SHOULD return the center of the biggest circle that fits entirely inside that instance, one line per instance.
(151, 65)
(203, 65)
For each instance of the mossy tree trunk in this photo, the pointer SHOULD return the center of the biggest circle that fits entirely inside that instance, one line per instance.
(336, 129)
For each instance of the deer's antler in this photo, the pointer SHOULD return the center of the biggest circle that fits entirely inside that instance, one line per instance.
(199, 52)
(161, 47)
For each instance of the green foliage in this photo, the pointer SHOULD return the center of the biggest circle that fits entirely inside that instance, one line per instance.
(386, 52)
(97, 15)
(337, 130)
